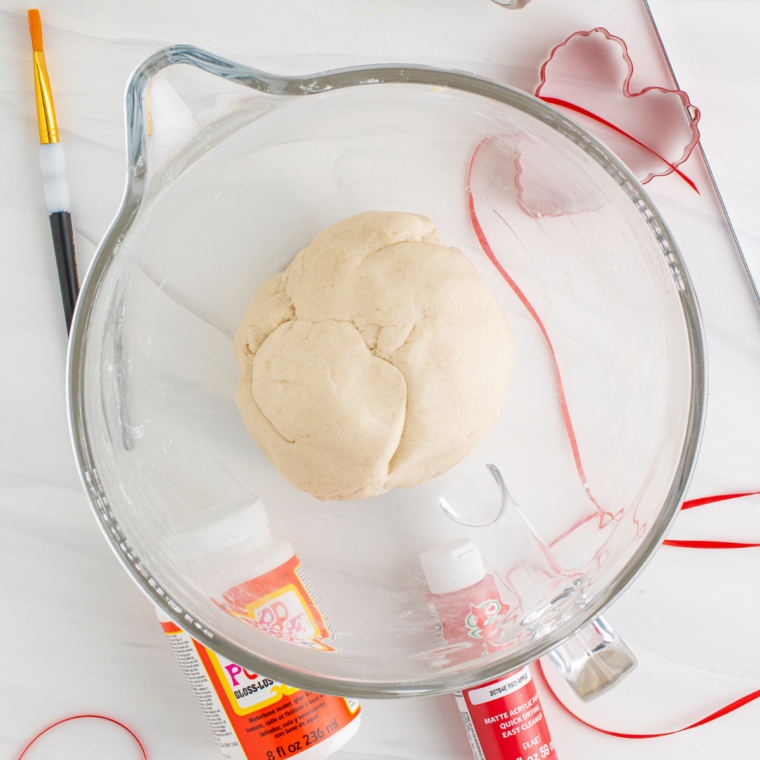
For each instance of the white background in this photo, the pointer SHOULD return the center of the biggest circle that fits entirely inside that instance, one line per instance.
(76, 636)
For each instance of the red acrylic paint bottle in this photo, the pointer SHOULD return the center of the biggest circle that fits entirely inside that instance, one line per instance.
(503, 718)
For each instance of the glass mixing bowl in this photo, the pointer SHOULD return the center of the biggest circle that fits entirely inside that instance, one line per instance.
(231, 171)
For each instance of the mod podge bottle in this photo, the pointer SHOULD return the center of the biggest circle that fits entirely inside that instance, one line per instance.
(503, 718)
(259, 580)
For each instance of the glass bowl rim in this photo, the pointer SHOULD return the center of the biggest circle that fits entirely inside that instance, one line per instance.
(303, 86)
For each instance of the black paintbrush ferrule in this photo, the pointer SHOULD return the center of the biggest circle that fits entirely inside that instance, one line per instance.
(65, 258)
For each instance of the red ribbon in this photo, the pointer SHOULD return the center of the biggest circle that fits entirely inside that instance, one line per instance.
(78, 717)
(584, 112)
(605, 516)
(708, 544)
(713, 716)
(579, 466)
(711, 499)
(711, 544)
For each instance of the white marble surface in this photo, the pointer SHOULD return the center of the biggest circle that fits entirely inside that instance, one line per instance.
(77, 636)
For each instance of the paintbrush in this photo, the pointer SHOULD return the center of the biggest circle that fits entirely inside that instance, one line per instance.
(53, 166)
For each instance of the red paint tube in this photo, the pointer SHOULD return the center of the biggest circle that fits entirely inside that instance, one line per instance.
(503, 718)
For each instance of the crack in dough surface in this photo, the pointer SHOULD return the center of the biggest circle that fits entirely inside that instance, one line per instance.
(378, 359)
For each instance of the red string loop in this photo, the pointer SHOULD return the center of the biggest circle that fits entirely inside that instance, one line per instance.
(78, 717)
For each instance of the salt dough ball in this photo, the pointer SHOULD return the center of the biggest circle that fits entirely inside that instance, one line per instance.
(378, 359)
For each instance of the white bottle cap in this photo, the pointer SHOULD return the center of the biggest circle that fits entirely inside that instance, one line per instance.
(220, 527)
(452, 566)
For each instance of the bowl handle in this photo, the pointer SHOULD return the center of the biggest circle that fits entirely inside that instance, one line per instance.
(594, 660)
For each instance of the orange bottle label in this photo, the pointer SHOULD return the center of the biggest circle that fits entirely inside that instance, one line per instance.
(265, 719)
(282, 604)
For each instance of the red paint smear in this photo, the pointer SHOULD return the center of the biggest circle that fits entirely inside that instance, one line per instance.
(628, 94)
(578, 109)
(605, 516)
(713, 716)
(78, 717)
